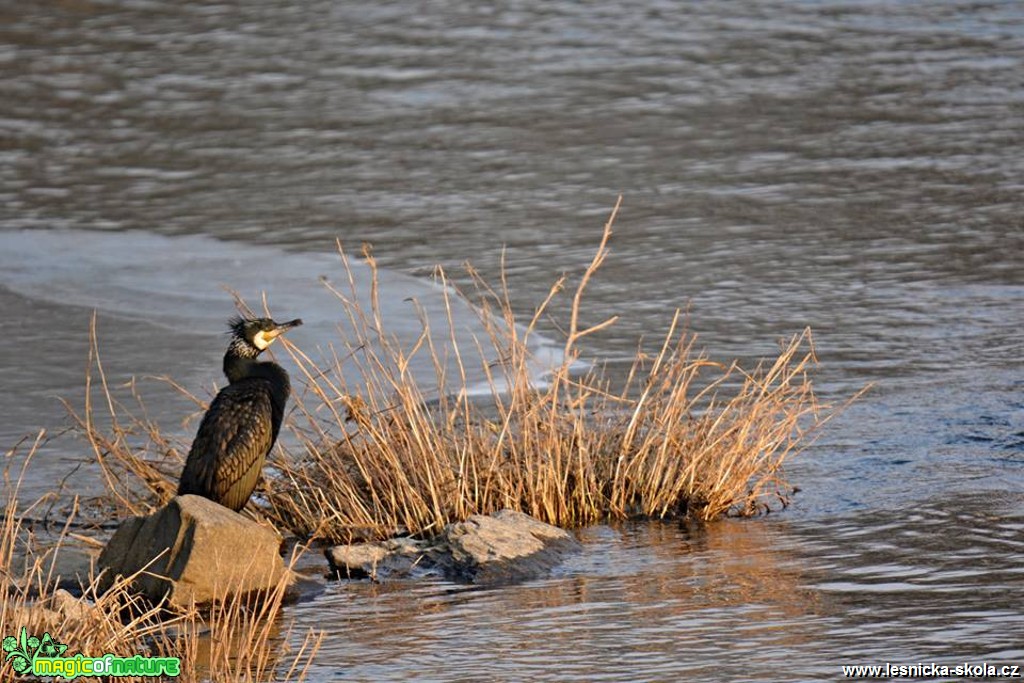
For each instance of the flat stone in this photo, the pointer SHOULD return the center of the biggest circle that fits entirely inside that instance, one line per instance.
(59, 609)
(193, 550)
(71, 608)
(355, 560)
(505, 547)
(393, 558)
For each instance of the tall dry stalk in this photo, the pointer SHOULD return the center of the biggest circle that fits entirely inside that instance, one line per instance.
(136, 457)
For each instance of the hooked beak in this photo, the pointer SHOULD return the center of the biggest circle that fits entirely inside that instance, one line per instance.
(281, 329)
(265, 338)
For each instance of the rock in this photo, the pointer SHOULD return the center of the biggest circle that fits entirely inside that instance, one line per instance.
(505, 547)
(61, 609)
(193, 550)
(355, 560)
(394, 558)
(71, 608)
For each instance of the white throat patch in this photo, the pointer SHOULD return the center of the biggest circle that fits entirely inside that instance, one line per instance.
(261, 341)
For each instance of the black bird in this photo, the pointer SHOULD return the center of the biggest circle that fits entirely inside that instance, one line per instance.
(242, 423)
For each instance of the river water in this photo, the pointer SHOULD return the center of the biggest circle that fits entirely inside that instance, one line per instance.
(853, 167)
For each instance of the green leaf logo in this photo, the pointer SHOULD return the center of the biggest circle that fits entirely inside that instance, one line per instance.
(19, 654)
(24, 649)
(50, 647)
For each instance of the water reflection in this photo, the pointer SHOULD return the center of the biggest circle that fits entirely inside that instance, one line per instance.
(658, 601)
(642, 601)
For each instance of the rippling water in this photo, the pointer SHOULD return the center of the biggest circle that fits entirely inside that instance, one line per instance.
(854, 167)
(767, 601)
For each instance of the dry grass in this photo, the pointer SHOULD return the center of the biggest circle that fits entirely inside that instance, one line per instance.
(683, 436)
(235, 641)
(680, 436)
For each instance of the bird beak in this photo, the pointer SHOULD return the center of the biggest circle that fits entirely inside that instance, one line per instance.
(281, 329)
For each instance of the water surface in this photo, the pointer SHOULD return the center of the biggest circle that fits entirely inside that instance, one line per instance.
(854, 167)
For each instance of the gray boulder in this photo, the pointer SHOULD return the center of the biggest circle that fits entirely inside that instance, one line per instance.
(505, 547)
(193, 550)
(393, 558)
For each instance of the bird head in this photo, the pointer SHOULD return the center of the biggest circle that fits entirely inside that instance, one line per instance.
(251, 336)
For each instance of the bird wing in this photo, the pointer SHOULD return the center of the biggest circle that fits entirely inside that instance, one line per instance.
(233, 440)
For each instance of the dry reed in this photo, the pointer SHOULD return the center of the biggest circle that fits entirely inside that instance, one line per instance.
(684, 436)
(379, 453)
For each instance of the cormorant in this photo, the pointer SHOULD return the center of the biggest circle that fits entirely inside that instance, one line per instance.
(242, 423)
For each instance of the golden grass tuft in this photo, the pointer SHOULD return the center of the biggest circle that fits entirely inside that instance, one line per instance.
(377, 453)
(683, 436)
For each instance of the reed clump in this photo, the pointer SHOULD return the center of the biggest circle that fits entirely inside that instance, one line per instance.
(681, 436)
(375, 451)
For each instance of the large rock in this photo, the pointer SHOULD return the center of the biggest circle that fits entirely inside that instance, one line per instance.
(193, 550)
(505, 547)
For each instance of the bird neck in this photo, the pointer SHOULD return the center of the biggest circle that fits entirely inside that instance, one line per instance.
(240, 359)
(238, 367)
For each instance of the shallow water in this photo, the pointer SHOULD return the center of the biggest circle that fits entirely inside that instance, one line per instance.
(852, 167)
(766, 601)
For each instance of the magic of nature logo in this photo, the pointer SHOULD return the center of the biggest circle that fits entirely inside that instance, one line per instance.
(45, 657)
